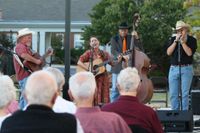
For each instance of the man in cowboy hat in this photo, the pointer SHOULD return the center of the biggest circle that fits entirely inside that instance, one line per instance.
(119, 44)
(181, 49)
(22, 49)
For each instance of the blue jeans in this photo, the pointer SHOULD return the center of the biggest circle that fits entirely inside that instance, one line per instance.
(114, 91)
(186, 80)
(22, 100)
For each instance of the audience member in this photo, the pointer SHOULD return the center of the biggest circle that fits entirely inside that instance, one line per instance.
(7, 95)
(41, 93)
(128, 106)
(61, 105)
(82, 87)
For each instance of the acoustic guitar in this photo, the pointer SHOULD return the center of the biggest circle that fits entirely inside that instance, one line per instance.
(99, 65)
(35, 67)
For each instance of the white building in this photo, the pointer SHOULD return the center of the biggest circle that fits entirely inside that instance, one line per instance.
(45, 17)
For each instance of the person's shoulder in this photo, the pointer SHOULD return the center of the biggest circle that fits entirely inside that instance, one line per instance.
(19, 45)
(149, 110)
(62, 105)
(66, 116)
(12, 118)
(108, 107)
(115, 37)
(192, 38)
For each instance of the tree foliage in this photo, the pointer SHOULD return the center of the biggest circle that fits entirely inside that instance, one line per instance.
(193, 17)
(106, 16)
(157, 19)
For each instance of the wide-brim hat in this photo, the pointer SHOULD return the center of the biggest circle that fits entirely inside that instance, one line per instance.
(123, 25)
(23, 32)
(180, 24)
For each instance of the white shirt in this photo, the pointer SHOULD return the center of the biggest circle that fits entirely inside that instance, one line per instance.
(62, 106)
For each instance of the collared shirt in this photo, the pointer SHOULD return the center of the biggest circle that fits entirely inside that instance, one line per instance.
(185, 59)
(135, 113)
(20, 72)
(63, 106)
(94, 120)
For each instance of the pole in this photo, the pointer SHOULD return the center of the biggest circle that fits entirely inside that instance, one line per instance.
(67, 47)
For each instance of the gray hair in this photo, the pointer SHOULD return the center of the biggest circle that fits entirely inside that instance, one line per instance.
(128, 79)
(7, 90)
(40, 87)
(82, 85)
(60, 79)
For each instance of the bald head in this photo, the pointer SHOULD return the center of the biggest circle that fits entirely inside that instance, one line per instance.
(82, 85)
(40, 88)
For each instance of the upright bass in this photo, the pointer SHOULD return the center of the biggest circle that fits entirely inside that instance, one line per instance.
(142, 62)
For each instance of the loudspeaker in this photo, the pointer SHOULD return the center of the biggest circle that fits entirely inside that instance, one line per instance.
(195, 95)
(176, 120)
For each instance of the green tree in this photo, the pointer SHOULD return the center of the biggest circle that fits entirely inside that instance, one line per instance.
(158, 19)
(193, 17)
(107, 15)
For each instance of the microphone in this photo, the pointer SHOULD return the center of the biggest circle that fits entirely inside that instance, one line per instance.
(178, 39)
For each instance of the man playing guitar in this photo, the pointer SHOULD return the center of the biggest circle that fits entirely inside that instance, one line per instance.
(22, 49)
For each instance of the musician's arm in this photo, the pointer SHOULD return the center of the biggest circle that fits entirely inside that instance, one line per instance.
(28, 57)
(81, 64)
(171, 48)
(85, 57)
(115, 53)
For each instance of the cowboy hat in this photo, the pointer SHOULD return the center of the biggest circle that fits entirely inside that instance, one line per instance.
(24, 32)
(123, 25)
(180, 24)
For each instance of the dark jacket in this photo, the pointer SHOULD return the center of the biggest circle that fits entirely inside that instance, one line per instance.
(39, 119)
(116, 49)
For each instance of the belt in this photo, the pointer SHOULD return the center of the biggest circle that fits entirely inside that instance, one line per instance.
(182, 65)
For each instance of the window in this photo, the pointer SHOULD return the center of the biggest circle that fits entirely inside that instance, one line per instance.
(78, 43)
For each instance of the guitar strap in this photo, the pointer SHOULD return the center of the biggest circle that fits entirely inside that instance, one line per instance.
(20, 62)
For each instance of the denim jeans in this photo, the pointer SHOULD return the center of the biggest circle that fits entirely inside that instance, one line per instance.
(186, 80)
(114, 91)
(22, 100)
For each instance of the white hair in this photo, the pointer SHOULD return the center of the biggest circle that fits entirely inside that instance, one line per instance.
(128, 79)
(60, 79)
(82, 85)
(7, 90)
(40, 87)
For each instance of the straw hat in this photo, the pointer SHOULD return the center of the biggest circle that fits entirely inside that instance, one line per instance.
(180, 24)
(24, 32)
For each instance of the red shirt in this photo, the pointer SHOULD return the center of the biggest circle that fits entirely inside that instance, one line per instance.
(100, 54)
(20, 72)
(135, 113)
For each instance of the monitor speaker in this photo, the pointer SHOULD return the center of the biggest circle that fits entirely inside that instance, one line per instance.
(176, 120)
(195, 95)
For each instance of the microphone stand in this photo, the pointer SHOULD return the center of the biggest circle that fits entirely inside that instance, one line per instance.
(180, 82)
(90, 67)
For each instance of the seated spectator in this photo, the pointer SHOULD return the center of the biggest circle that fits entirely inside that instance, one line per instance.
(61, 105)
(129, 108)
(41, 93)
(13, 106)
(7, 95)
(82, 87)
